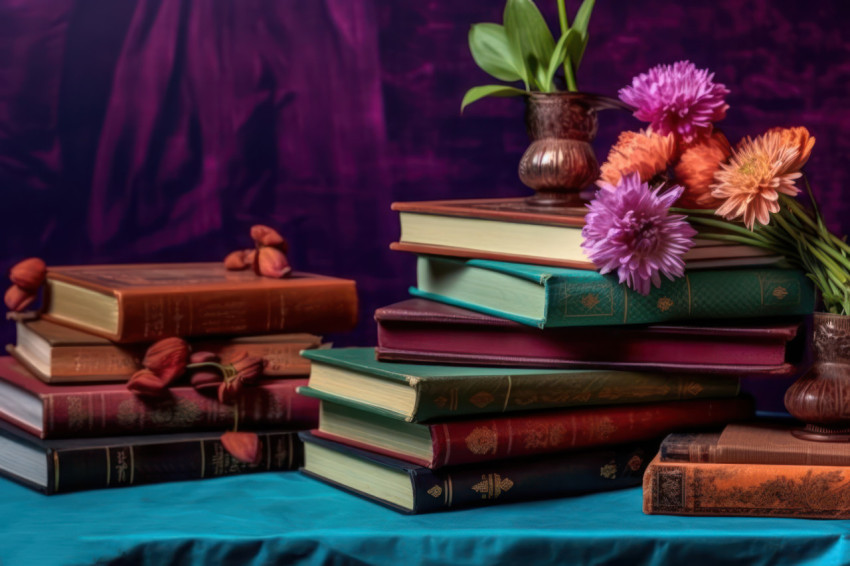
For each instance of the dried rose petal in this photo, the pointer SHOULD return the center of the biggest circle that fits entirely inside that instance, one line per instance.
(244, 446)
(167, 358)
(18, 299)
(146, 383)
(271, 262)
(265, 236)
(229, 391)
(240, 259)
(29, 274)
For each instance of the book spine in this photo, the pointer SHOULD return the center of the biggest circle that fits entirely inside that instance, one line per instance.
(147, 317)
(115, 413)
(117, 466)
(96, 360)
(501, 346)
(700, 294)
(463, 442)
(522, 480)
(492, 395)
(746, 490)
(122, 361)
(685, 447)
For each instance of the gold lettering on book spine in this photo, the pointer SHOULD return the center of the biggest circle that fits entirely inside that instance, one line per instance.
(492, 486)
(108, 467)
(77, 417)
(482, 440)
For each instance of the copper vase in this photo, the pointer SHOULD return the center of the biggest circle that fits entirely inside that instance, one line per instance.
(560, 162)
(821, 398)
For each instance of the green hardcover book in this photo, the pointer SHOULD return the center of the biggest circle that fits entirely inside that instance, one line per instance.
(552, 296)
(420, 393)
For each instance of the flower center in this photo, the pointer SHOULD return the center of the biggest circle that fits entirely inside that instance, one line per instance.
(640, 232)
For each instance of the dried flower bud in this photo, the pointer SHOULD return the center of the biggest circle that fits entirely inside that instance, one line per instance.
(18, 299)
(247, 369)
(146, 383)
(271, 262)
(240, 259)
(167, 358)
(29, 274)
(206, 382)
(244, 446)
(265, 236)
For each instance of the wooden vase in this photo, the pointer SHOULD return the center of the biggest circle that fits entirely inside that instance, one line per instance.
(821, 397)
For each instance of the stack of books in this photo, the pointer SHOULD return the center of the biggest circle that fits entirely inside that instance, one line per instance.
(754, 470)
(519, 372)
(68, 421)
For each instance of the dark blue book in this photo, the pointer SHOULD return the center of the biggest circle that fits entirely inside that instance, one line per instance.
(413, 489)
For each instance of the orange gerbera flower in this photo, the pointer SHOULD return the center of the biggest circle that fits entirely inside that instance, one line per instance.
(696, 168)
(758, 172)
(644, 152)
(798, 137)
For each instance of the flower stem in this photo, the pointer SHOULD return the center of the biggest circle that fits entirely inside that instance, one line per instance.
(569, 75)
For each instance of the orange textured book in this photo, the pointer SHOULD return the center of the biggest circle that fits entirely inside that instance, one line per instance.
(146, 302)
(746, 490)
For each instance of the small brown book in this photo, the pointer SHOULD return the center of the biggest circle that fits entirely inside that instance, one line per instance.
(146, 302)
(59, 354)
(510, 229)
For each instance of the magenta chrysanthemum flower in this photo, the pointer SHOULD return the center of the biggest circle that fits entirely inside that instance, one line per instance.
(629, 230)
(677, 98)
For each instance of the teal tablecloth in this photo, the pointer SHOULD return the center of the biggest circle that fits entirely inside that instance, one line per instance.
(290, 519)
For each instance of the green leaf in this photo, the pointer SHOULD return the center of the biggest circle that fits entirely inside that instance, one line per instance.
(558, 55)
(582, 19)
(529, 35)
(488, 44)
(576, 50)
(479, 92)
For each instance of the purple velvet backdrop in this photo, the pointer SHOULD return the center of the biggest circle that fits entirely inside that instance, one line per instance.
(154, 130)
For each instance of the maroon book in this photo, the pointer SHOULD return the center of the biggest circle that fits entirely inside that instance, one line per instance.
(110, 409)
(418, 330)
(452, 443)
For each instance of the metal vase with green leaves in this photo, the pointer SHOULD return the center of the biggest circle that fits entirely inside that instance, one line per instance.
(560, 161)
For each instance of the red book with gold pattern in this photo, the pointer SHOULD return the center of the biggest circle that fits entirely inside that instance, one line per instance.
(457, 442)
(110, 409)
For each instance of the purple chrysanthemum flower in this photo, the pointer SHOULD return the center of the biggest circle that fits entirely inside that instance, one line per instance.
(628, 229)
(677, 98)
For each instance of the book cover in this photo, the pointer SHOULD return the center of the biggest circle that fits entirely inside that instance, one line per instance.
(420, 392)
(413, 489)
(746, 490)
(110, 409)
(60, 354)
(509, 229)
(62, 466)
(555, 297)
(419, 330)
(146, 302)
(754, 443)
(468, 441)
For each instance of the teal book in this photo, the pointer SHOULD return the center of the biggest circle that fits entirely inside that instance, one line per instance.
(549, 297)
(426, 392)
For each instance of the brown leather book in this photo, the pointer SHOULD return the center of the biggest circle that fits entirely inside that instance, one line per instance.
(754, 443)
(146, 302)
(60, 354)
(510, 229)
(746, 490)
